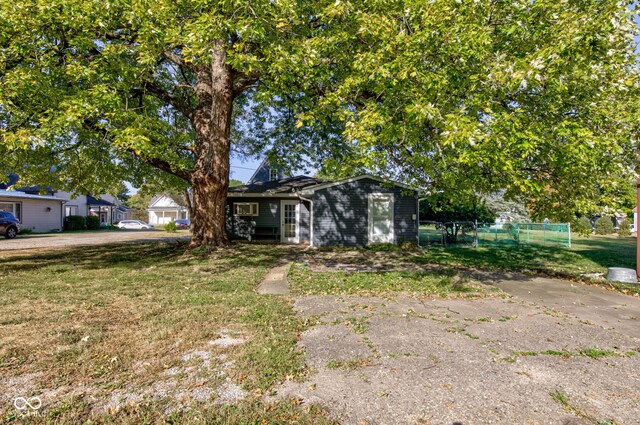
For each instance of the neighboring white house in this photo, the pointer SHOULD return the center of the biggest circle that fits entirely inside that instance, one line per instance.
(635, 220)
(107, 207)
(38, 213)
(163, 209)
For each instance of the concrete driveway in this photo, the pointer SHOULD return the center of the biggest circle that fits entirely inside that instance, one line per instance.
(69, 239)
(554, 353)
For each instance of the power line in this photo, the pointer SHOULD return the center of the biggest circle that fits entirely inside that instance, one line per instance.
(242, 168)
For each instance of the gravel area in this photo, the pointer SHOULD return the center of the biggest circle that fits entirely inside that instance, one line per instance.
(403, 360)
(68, 239)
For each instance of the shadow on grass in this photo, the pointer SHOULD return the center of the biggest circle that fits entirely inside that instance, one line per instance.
(134, 256)
(586, 256)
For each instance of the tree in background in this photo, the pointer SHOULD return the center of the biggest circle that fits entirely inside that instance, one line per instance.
(444, 208)
(604, 226)
(583, 227)
(538, 98)
(513, 209)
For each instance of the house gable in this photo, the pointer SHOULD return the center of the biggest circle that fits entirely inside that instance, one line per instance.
(341, 211)
(263, 173)
(163, 201)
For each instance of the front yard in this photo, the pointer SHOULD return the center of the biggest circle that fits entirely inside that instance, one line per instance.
(133, 333)
(144, 332)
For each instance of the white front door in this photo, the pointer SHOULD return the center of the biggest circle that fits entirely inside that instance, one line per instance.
(290, 220)
(381, 218)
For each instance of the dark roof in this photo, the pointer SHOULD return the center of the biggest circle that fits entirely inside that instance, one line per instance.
(13, 179)
(32, 190)
(287, 185)
(100, 202)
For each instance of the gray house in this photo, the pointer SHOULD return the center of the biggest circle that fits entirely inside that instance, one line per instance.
(357, 211)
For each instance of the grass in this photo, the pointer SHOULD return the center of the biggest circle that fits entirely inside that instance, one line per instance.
(118, 318)
(585, 257)
(442, 283)
(351, 364)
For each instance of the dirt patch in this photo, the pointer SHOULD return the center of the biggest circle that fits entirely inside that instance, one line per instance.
(403, 360)
(199, 376)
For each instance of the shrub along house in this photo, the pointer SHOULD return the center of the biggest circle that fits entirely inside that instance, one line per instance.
(357, 211)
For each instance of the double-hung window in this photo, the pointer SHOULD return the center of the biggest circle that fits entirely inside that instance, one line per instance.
(70, 210)
(273, 174)
(12, 207)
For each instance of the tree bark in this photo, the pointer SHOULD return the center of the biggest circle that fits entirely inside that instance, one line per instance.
(210, 176)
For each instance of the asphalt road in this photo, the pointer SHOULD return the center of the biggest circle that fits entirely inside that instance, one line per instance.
(69, 239)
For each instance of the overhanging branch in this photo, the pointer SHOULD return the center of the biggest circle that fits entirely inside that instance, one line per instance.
(181, 105)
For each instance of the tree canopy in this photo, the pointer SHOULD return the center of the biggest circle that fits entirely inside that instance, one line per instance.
(538, 98)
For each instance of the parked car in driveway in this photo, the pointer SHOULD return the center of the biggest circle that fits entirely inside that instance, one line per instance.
(183, 224)
(9, 225)
(134, 224)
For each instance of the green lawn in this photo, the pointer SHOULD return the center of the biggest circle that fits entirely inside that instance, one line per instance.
(80, 325)
(585, 257)
(85, 327)
(443, 283)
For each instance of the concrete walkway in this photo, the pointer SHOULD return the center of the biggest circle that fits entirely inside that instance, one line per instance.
(605, 308)
(275, 282)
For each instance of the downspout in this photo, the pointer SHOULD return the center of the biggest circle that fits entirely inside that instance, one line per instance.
(310, 201)
(62, 215)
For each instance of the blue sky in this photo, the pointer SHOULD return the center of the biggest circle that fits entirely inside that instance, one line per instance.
(243, 170)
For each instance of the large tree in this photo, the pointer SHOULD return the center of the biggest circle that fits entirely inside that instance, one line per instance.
(93, 92)
(538, 98)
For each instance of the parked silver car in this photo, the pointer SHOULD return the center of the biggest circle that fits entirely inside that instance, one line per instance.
(134, 224)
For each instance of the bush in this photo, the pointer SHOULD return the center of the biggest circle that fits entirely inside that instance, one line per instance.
(604, 226)
(75, 222)
(25, 231)
(171, 227)
(93, 222)
(624, 229)
(582, 226)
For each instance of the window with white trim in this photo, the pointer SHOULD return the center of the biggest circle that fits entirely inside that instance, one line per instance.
(70, 210)
(12, 207)
(245, 208)
(273, 174)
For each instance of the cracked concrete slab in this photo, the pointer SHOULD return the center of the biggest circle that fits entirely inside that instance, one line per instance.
(402, 360)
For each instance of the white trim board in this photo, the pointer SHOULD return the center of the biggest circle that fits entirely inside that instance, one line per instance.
(261, 195)
(15, 194)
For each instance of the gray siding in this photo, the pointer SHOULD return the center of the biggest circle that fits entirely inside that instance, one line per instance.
(340, 213)
(304, 222)
(268, 216)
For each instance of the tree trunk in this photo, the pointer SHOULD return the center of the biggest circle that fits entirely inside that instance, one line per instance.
(212, 124)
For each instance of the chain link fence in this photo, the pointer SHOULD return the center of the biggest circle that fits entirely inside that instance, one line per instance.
(470, 233)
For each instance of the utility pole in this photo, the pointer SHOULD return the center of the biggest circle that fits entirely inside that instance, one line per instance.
(636, 225)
